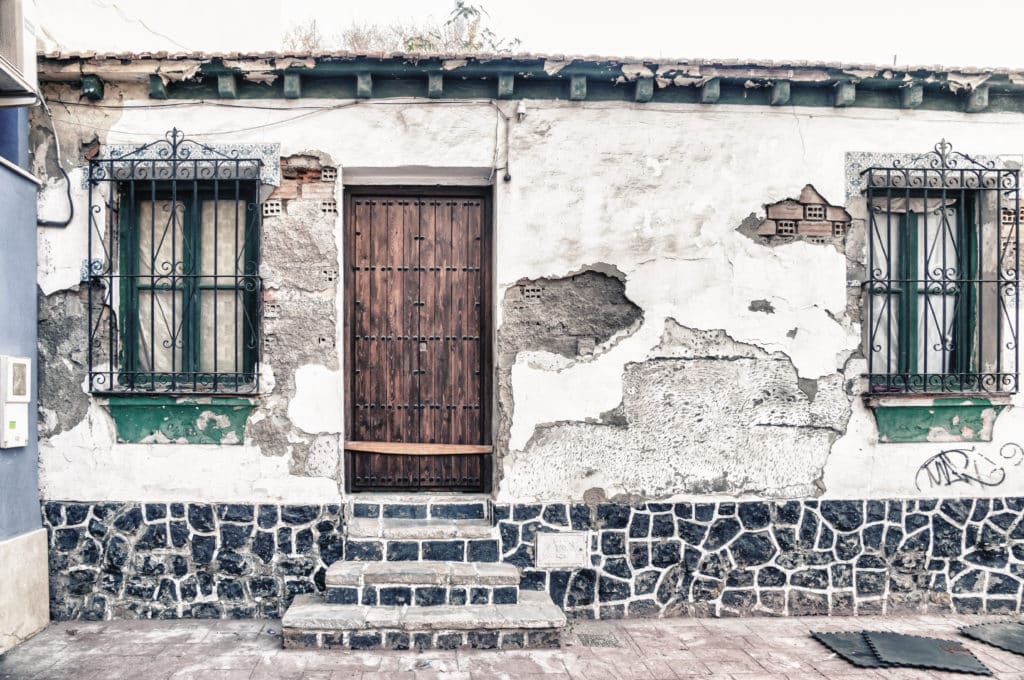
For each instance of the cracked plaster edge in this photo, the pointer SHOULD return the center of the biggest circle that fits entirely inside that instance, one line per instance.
(537, 358)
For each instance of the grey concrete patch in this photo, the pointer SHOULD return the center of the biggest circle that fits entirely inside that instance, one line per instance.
(63, 360)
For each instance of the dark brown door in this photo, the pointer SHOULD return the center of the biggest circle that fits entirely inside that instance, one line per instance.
(418, 327)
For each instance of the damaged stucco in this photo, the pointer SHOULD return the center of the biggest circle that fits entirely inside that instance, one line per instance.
(300, 269)
(578, 317)
(698, 410)
(665, 354)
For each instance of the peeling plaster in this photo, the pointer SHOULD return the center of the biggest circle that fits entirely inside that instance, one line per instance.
(654, 206)
(697, 410)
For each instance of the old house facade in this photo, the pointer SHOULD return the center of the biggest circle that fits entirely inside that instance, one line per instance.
(661, 338)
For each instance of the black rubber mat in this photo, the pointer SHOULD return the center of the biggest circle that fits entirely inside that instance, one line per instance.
(852, 647)
(922, 652)
(1008, 635)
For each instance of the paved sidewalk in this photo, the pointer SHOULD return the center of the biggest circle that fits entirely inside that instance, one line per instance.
(737, 649)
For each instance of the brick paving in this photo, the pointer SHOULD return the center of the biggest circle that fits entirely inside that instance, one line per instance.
(735, 649)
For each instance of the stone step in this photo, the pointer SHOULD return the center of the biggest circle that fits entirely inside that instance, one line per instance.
(535, 621)
(431, 529)
(427, 573)
(429, 583)
(372, 549)
(420, 507)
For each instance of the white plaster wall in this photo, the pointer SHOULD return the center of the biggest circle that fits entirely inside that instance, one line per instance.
(655, 190)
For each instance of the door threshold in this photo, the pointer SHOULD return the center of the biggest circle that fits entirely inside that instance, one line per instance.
(417, 497)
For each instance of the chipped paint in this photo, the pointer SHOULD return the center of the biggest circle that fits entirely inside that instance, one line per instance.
(944, 420)
(162, 420)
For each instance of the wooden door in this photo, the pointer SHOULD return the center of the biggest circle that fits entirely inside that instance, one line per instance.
(418, 341)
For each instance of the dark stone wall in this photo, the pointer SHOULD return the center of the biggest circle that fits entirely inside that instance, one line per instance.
(779, 557)
(799, 557)
(186, 560)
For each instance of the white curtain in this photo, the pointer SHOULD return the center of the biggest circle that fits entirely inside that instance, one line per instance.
(938, 269)
(222, 233)
(161, 239)
(936, 284)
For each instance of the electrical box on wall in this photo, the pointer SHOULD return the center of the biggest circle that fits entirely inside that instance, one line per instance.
(15, 395)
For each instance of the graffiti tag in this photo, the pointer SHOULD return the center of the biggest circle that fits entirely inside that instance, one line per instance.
(967, 466)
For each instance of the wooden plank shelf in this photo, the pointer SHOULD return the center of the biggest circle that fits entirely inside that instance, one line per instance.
(413, 449)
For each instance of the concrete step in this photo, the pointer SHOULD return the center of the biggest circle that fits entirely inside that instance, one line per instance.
(535, 621)
(429, 583)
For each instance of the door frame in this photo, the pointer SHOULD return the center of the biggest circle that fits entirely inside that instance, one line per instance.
(487, 345)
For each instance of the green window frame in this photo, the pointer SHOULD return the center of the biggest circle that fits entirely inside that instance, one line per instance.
(913, 290)
(195, 338)
(961, 288)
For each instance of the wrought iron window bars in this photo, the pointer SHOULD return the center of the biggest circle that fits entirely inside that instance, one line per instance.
(174, 293)
(943, 276)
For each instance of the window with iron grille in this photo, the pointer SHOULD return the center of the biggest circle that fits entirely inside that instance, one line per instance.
(174, 287)
(942, 295)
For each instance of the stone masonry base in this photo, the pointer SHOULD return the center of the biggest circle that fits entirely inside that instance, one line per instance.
(798, 557)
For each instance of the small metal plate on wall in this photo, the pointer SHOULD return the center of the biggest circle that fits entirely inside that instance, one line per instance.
(1008, 635)
(852, 647)
(562, 549)
(921, 652)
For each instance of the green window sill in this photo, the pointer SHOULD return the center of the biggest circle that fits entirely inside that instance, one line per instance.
(180, 420)
(903, 419)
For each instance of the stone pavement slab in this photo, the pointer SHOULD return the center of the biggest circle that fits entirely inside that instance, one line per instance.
(662, 649)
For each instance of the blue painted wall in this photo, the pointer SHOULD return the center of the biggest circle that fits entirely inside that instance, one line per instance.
(14, 135)
(19, 484)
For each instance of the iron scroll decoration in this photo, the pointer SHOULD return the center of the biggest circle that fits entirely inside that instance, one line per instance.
(175, 157)
(943, 167)
(176, 163)
(983, 193)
